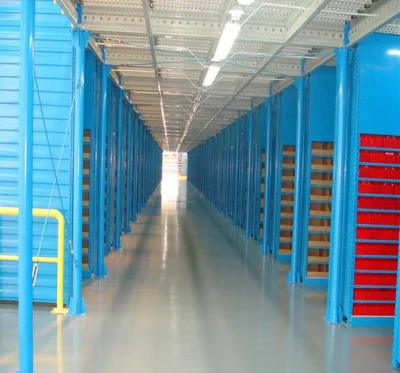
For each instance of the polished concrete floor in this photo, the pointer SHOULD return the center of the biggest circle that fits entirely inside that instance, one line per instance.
(188, 294)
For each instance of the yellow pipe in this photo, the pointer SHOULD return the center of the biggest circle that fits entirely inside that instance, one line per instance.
(55, 214)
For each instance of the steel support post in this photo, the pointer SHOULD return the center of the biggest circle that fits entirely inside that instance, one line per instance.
(100, 269)
(249, 171)
(267, 173)
(140, 167)
(135, 168)
(298, 219)
(118, 214)
(110, 172)
(236, 173)
(333, 312)
(77, 304)
(25, 187)
(129, 165)
(228, 171)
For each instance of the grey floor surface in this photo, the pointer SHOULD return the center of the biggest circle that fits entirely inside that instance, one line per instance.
(188, 294)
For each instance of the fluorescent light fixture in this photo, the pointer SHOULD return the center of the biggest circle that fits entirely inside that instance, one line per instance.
(212, 73)
(393, 52)
(228, 37)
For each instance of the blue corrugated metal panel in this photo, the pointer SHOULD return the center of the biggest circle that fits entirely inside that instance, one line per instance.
(53, 67)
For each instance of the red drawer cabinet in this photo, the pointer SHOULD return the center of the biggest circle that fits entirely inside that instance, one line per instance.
(378, 219)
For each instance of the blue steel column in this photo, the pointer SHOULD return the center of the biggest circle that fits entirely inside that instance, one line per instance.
(100, 269)
(249, 171)
(134, 168)
(77, 304)
(140, 168)
(298, 219)
(228, 169)
(127, 227)
(267, 172)
(236, 170)
(25, 181)
(333, 314)
(118, 215)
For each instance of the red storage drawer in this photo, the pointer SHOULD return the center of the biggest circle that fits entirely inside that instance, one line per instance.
(360, 294)
(380, 294)
(365, 140)
(386, 309)
(359, 309)
(364, 202)
(377, 157)
(377, 141)
(376, 264)
(387, 173)
(363, 233)
(389, 142)
(396, 188)
(389, 157)
(364, 187)
(376, 218)
(387, 188)
(376, 203)
(396, 173)
(364, 218)
(365, 171)
(397, 158)
(388, 249)
(367, 248)
(376, 188)
(365, 156)
(375, 279)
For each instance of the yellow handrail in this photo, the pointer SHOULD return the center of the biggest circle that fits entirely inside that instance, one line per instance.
(13, 211)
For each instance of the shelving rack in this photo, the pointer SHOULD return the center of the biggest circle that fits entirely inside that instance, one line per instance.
(287, 202)
(377, 230)
(320, 197)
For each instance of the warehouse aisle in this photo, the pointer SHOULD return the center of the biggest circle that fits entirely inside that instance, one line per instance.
(189, 295)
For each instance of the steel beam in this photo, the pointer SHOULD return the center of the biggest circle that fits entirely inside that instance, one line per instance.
(124, 23)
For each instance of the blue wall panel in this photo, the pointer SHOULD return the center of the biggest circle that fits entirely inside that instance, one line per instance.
(379, 93)
(53, 67)
(321, 108)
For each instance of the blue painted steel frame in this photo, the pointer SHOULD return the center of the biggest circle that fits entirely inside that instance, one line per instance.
(127, 228)
(249, 128)
(298, 217)
(100, 269)
(118, 216)
(77, 304)
(25, 188)
(333, 311)
(267, 178)
(237, 172)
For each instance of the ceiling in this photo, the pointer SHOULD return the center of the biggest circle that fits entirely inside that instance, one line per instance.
(160, 51)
